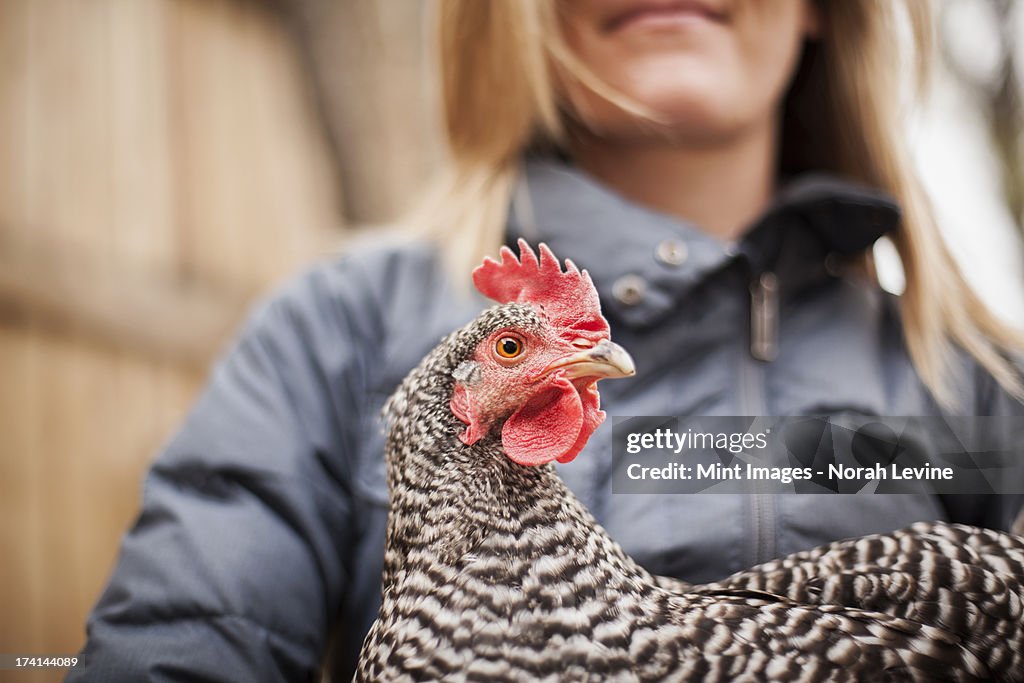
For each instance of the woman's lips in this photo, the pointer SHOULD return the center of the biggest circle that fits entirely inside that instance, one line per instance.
(664, 14)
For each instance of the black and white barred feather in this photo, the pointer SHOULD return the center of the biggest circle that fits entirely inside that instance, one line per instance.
(495, 572)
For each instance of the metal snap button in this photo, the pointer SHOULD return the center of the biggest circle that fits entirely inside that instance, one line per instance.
(833, 264)
(671, 252)
(629, 290)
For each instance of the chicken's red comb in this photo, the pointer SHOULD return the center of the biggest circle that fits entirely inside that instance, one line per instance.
(567, 298)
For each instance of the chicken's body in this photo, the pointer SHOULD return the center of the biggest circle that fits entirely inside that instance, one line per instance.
(966, 580)
(495, 571)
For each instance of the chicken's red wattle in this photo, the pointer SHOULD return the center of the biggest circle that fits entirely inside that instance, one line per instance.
(554, 425)
(593, 416)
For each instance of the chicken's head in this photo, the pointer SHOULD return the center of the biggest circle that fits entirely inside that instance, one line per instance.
(535, 372)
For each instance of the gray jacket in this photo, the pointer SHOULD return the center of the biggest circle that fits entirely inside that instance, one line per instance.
(262, 525)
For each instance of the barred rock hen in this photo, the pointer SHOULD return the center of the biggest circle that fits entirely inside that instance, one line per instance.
(495, 571)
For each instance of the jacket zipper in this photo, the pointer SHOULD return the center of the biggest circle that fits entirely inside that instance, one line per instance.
(763, 348)
(764, 317)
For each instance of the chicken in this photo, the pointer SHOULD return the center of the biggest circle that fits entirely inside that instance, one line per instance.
(494, 571)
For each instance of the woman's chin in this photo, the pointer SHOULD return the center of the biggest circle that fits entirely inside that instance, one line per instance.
(698, 119)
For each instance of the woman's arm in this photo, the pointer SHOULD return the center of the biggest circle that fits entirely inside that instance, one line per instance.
(991, 511)
(236, 565)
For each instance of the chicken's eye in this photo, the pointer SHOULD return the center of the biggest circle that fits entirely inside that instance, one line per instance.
(508, 347)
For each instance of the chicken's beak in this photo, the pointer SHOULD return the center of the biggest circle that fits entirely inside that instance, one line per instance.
(604, 359)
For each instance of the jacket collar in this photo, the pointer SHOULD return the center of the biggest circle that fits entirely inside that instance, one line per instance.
(644, 262)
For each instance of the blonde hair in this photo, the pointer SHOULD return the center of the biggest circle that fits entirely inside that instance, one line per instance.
(499, 99)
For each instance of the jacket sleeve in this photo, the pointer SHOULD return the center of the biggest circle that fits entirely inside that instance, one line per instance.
(994, 511)
(235, 567)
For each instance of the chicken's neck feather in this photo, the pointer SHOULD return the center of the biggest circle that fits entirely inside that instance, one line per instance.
(458, 505)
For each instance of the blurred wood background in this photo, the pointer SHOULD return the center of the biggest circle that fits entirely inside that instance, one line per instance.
(162, 162)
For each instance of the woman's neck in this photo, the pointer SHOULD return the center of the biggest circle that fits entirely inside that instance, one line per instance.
(720, 188)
